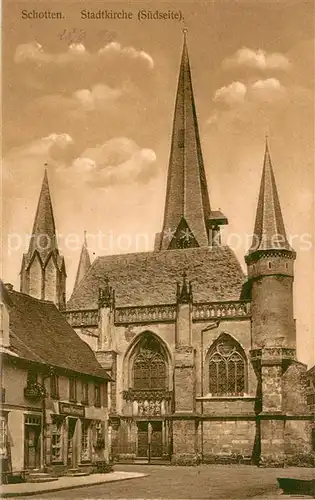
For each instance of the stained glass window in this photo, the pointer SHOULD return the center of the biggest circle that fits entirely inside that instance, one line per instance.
(227, 368)
(149, 368)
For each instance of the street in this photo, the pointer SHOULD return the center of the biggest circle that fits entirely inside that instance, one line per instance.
(202, 482)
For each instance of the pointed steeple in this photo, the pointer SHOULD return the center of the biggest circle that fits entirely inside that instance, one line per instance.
(84, 263)
(269, 232)
(187, 215)
(43, 238)
(43, 271)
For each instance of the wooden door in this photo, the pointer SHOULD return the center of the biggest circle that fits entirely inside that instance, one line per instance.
(32, 447)
(71, 442)
(142, 439)
(156, 440)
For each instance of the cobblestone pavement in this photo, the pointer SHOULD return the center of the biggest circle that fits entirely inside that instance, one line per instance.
(202, 482)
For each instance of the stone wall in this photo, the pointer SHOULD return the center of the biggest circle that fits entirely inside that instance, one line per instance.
(227, 440)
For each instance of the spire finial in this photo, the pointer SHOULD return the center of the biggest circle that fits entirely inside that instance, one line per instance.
(84, 237)
(185, 31)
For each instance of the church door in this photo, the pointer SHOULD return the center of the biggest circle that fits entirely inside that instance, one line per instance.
(150, 433)
(156, 440)
(143, 443)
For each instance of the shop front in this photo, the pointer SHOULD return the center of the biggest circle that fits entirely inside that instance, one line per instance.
(77, 438)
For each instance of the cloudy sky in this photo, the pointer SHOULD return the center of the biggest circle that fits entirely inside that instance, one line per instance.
(94, 100)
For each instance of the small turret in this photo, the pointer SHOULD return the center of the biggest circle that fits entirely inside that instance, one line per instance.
(270, 262)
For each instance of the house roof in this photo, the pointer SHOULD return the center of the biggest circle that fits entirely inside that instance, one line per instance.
(40, 333)
(149, 278)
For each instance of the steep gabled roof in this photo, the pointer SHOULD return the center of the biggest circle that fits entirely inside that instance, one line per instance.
(40, 333)
(187, 199)
(150, 277)
(84, 264)
(269, 231)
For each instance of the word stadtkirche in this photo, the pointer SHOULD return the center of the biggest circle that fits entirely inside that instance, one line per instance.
(124, 15)
(142, 15)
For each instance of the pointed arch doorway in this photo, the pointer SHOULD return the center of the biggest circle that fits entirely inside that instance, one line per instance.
(149, 381)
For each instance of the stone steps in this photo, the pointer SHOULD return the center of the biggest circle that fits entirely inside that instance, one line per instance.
(77, 473)
(40, 477)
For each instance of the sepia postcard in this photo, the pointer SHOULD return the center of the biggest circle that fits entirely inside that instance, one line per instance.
(157, 249)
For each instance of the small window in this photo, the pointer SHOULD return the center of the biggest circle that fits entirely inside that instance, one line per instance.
(180, 138)
(254, 268)
(269, 265)
(72, 389)
(54, 386)
(85, 393)
(97, 395)
(286, 265)
(32, 377)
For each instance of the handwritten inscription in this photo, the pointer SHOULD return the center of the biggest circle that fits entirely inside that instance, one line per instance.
(76, 35)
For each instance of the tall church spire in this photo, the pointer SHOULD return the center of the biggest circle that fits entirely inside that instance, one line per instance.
(269, 231)
(84, 263)
(43, 272)
(187, 216)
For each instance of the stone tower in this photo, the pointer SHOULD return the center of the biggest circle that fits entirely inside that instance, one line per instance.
(283, 433)
(43, 272)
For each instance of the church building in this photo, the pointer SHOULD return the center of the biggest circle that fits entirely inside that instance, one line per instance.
(202, 357)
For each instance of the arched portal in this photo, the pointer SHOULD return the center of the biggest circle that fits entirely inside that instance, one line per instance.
(148, 369)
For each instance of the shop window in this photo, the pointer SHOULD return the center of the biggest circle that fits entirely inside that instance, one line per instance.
(3, 437)
(72, 389)
(85, 393)
(227, 368)
(56, 440)
(85, 441)
(97, 395)
(54, 386)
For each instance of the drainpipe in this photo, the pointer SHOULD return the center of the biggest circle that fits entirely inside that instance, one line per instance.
(212, 326)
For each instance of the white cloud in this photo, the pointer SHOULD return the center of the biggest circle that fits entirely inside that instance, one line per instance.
(231, 94)
(118, 161)
(34, 52)
(133, 53)
(269, 89)
(99, 96)
(257, 59)
(237, 93)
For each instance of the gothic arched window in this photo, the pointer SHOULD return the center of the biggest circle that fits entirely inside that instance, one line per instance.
(149, 366)
(227, 368)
